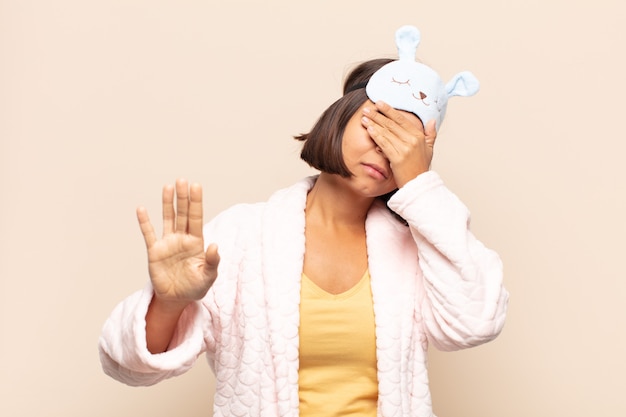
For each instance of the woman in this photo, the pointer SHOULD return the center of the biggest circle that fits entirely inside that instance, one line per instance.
(322, 300)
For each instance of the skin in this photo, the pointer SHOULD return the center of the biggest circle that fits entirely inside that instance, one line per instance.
(180, 270)
(383, 147)
(402, 138)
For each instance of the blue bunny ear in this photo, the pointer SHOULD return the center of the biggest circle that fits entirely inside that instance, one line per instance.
(407, 40)
(463, 84)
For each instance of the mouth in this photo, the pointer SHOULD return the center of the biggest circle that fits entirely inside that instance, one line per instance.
(377, 170)
(421, 98)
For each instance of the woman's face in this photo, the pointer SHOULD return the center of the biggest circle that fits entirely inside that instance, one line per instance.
(372, 175)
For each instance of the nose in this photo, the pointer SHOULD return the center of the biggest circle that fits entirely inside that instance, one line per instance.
(380, 151)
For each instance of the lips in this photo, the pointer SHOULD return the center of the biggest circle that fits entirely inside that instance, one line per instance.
(380, 170)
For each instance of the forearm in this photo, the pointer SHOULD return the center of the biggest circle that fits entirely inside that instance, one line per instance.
(161, 321)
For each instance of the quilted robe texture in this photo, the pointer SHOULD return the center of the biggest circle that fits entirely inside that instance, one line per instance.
(432, 282)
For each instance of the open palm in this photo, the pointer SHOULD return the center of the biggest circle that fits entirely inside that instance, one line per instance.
(180, 270)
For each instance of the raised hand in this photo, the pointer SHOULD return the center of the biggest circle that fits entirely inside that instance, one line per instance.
(180, 270)
(402, 138)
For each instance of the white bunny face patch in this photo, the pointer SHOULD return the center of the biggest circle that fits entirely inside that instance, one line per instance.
(412, 86)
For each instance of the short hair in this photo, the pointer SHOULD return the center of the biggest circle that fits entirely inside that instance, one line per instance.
(322, 147)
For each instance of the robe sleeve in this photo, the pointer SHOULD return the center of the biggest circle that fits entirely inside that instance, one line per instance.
(122, 345)
(465, 301)
(123, 349)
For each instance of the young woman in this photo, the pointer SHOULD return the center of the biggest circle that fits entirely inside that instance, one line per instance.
(322, 300)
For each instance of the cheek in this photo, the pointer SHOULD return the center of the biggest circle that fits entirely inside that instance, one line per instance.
(356, 141)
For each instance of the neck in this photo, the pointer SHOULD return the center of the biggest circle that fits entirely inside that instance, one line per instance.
(334, 204)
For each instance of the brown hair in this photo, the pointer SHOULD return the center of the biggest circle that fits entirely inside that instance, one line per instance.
(322, 145)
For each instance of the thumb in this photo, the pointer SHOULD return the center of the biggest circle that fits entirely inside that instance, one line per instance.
(212, 258)
(430, 132)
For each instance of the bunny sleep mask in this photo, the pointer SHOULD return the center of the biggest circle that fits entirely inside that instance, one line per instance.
(412, 86)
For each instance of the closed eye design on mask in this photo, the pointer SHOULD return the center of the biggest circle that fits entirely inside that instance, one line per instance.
(408, 85)
(407, 82)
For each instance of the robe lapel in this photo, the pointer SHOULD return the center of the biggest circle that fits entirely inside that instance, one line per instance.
(389, 246)
(283, 258)
(392, 258)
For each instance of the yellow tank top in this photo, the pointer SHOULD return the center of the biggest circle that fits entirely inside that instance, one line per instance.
(337, 375)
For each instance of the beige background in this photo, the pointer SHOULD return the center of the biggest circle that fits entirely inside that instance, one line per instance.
(103, 102)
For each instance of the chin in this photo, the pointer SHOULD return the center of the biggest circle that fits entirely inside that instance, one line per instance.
(379, 192)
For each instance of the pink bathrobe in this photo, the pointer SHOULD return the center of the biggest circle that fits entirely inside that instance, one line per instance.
(432, 282)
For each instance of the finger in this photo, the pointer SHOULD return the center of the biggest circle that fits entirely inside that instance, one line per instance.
(146, 227)
(377, 117)
(386, 140)
(377, 134)
(212, 257)
(168, 210)
(431, 132)
(195, 210)
(399, 121)
(182, 205)
(393, 137)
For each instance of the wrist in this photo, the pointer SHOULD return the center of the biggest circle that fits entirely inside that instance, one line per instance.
(167, 306)
(403, 178)
(161, 321)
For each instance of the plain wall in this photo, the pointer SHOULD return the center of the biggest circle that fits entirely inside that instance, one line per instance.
(103, 102)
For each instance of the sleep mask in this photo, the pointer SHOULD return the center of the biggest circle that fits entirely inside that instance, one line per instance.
(414, 87)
